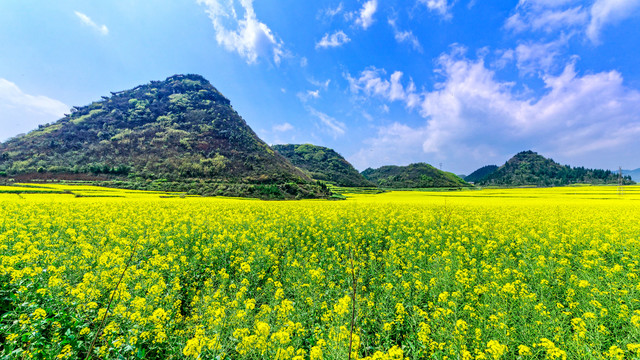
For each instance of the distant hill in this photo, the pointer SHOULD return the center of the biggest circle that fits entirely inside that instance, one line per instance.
(419, 175)
(481, 173)
(321, 163)
(634, 174)
(176, 134)
(529, 168)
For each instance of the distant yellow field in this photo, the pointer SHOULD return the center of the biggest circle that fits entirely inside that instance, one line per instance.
(478, 274)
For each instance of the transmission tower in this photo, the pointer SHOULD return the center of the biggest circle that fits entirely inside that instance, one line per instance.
(620, 180)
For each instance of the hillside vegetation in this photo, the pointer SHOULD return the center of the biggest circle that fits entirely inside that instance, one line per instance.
(419, 175)
(530, 168)
(321, 163)
(481, 173)
(179, 134)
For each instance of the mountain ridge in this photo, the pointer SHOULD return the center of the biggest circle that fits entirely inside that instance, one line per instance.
(417, 175)
(179, 130)
(634, 174)
(322, 163)
(530, 168)
(481, 173)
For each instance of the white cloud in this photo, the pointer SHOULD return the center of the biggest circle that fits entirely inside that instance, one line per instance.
(331, 12)
(330, 125)
(397, 144)
(320, 84)
(278, 134)
(372, 83)
(537, 17)
(365, 17)
(102, 29)
(304, 96)
(538, 57)
(408, 37)
(247, 36)
(20, 112)
(336, 39)
(442, 7)
(472, 118)
(282, 127)
(609, 11)
(309, 94)
(459, 107)
(552, 16)
(405, 36)
(504, 58)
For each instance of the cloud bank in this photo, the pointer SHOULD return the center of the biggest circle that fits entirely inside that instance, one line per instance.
(471, 118)
(568, 15)
(246, 35)
(20, 112)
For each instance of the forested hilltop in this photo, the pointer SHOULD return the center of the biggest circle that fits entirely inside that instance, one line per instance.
(178, 134)
(321, 163)
(530, 168)
(419, 175)
(481, 173)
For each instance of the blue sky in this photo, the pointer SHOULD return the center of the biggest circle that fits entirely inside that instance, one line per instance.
(461, 83)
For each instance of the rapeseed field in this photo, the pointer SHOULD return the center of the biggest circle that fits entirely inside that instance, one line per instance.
(491, 274)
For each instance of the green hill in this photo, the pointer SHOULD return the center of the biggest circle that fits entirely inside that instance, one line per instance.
(481, 173)
(529, 168)
(178, 134)
(321, 163)
(418, 175)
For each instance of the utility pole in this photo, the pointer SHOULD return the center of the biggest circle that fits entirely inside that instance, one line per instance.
(620, 181)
